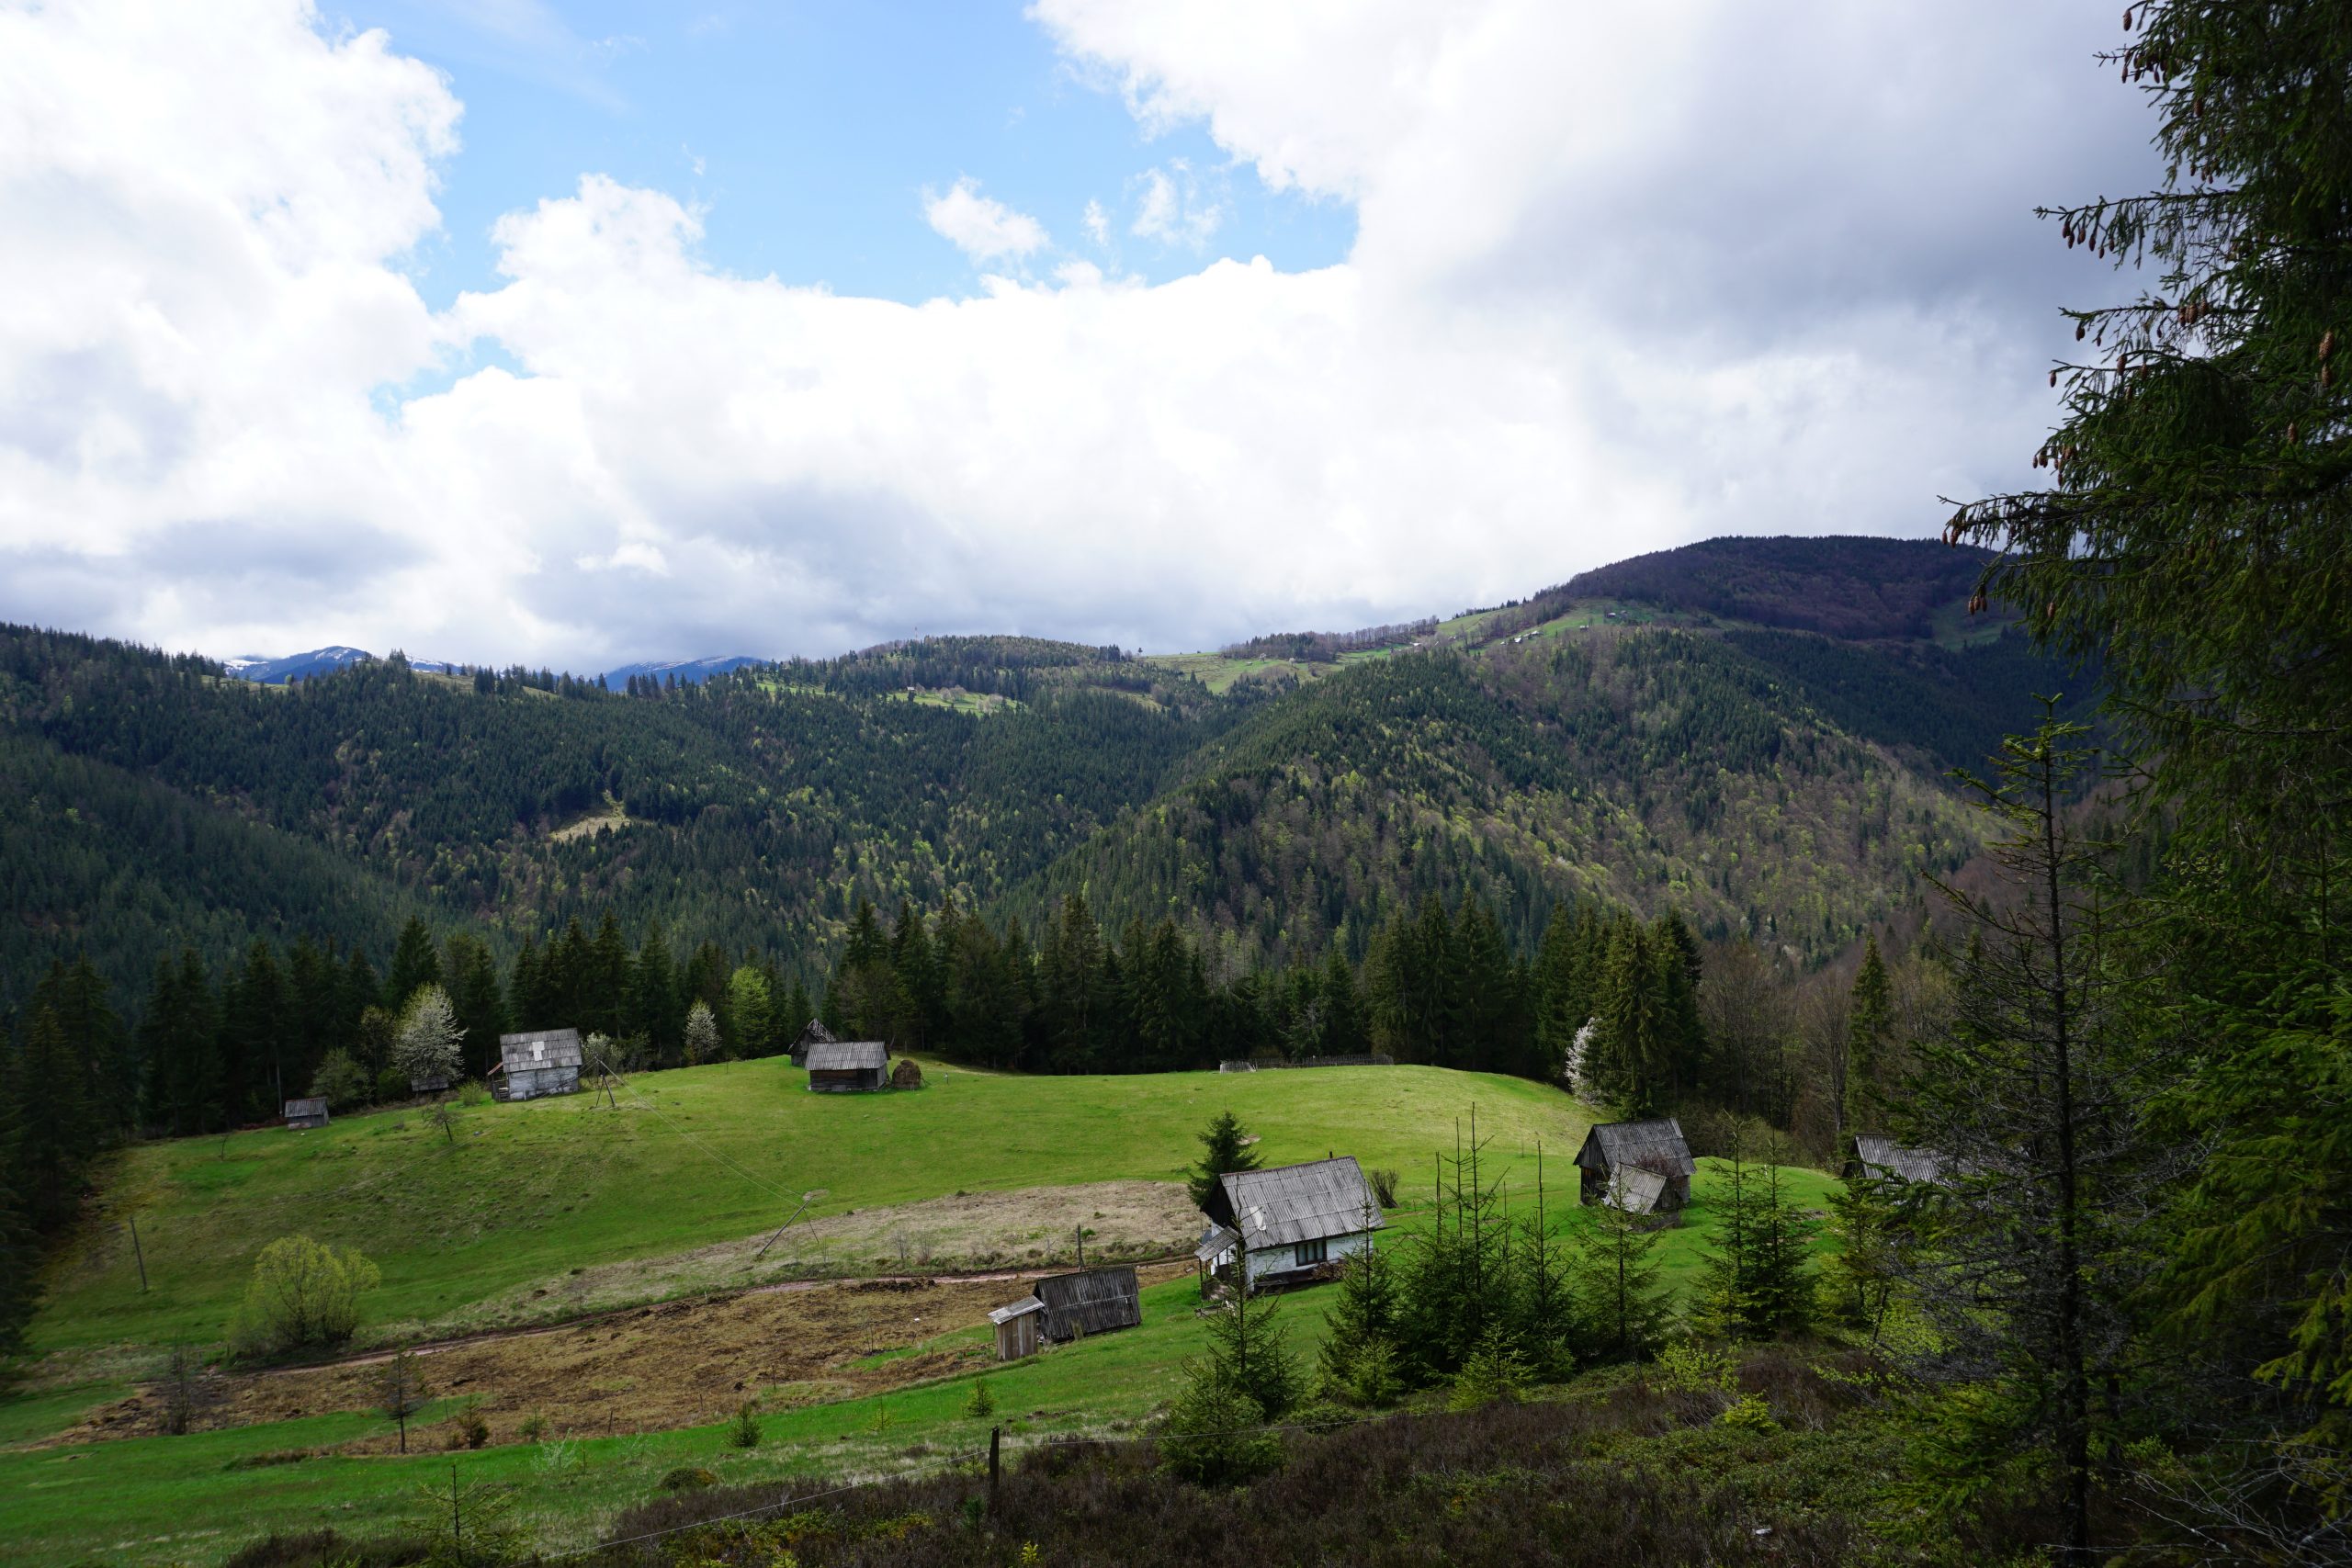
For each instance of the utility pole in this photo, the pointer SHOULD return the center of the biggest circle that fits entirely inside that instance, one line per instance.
(996, 1436)
(139, 1253)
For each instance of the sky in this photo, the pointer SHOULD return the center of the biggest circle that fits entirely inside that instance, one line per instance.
(514, 331)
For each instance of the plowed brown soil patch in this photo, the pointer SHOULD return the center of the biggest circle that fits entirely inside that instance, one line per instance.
(680, 1364)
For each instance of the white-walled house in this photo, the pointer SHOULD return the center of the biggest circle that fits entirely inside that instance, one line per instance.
(1279, 1226)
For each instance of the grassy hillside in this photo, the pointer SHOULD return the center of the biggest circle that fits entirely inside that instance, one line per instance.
(527, 1192)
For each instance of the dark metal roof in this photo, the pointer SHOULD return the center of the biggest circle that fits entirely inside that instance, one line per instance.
(1092, 1303)
(1300, 1202)
(848, 1056)
(539, 1048)
(1881, 1156)
(1651, 1145)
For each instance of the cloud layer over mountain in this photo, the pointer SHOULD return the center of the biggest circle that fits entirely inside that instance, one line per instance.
(1623, 279)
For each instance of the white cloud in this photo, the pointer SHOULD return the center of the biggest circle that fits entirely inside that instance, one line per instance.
(981, 227)
(1097, 222)
(1173, 209)
(1623, 279)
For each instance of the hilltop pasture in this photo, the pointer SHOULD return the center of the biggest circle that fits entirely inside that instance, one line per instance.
(525, 1194)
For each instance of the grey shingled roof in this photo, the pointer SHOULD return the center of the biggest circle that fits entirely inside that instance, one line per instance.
(1649, 1144)
(1300, 1202)
(848, 1056)
(539, 1048)
(1881, 1156)
(305, 1107)
(1020, 1308)
(1094, 1302)
(816, 1034)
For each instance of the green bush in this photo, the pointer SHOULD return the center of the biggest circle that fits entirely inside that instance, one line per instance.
(391, 1084)
(982, 1404)
(689, 1478)
(340, 1081)
(1749, 1414)
(1213, 1436)
(303, 1295)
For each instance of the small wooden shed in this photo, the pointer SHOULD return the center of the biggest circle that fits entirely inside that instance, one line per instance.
(1614, 1151)
(1881, 1158)
(1094, 1301)
(848, 1067)
(815, 1034)
(1017, 1327)
(303, 1114)
(541, 1062)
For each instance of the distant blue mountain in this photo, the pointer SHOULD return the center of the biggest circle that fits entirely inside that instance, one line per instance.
(691, 671)
(301, 666)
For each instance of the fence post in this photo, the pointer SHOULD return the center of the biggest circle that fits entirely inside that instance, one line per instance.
(139, 1253)
(996, 1435)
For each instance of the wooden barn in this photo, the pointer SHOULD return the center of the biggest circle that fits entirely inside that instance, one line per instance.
(303, 1114)
(1282, 1226)
(815, 1034)
(1018, 1324)
(848, 1067)
(1882, 1159)
(1643, 1168)
(1065, 1307)
(539, 1063)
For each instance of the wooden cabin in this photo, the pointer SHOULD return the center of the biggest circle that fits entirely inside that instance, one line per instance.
(1615, 1151)
(815, 1034)
(848, 1067)
(1881, 1158)
(1286, 1225)
(539, 1063)
(1018, 1328)
(304, 1114)
(1092, 1300)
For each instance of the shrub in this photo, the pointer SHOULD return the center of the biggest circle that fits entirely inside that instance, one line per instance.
(470, 1431)
(1213, 1436)
(687, 1478)
(982, 1404)
(340, 1080)
(303, 1295)
(1690, 1367)
(1750, 1413)
(743, 1432)
(533, 1428)
(325, 1549)
(392, 1084)
(472, 1093)
(1493, 1370)
(1383, 1187)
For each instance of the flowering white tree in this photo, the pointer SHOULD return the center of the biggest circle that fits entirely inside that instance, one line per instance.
(426, 1046)
(702, 1033)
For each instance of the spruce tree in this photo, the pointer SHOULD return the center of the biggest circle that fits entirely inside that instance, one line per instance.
(1624, 1304)
(415, 964)
(1224, 1149)
(1870, 1025)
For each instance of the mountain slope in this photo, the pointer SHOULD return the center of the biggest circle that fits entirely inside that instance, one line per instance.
(1766, 779)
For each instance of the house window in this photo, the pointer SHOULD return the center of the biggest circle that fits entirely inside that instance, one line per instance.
(1313, 1252)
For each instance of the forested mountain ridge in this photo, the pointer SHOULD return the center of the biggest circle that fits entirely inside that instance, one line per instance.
(1780, 783)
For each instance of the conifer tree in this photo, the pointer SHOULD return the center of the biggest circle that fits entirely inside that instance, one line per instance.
(1224, 1149)
(1624, 1305)
(415, 964)
(1870, 1025)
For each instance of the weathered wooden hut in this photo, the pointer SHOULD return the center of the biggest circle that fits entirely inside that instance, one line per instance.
(1018, 1324)
(848, 1067)
(1881, 1159)
(537, 1063)
(1286, 1223)
(303, 1114)
(815, 1034)
(1094, 1301)
(1614, 1150)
